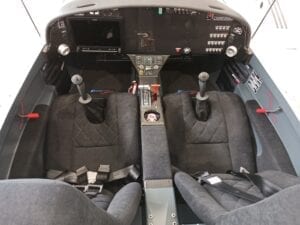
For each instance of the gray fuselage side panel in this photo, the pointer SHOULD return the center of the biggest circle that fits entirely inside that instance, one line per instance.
(284, 121)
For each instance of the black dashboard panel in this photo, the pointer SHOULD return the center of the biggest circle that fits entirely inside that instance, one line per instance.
(107, 32)
(171, 31)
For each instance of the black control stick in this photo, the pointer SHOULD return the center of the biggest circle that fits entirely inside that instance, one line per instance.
(84, 98)
(202, 78)
(94, 108)
(202, 106)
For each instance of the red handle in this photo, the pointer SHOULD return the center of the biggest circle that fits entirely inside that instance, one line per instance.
(261, 110)
(31, 116)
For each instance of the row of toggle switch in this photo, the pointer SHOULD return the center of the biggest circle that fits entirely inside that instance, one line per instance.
(214, 50)
(215, 42)
(222, 28)
(218, 35)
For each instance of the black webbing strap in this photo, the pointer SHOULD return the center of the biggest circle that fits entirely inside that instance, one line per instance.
(92, 186)
(130, 171)
(216, 182)
(78, 177)
(81, 175)
(266, 187)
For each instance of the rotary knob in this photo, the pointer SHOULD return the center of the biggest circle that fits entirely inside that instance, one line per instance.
(231, 51)
(63, 49)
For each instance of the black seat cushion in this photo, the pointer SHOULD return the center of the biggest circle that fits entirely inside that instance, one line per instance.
(221, 143)
(48, 202)
(73, 141)
(103, 199)
(211, 204)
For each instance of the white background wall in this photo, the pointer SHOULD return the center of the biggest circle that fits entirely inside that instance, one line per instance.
(20, 46)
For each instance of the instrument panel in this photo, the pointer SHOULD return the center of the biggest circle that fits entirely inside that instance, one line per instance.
(170, 31)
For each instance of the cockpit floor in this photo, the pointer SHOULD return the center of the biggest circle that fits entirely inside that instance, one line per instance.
(177, 81)
(114, 77)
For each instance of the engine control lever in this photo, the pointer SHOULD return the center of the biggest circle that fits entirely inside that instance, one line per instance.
(84, 98)
(202, 78)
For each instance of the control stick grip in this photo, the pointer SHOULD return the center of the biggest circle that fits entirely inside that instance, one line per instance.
(78, 81)
(202, 78)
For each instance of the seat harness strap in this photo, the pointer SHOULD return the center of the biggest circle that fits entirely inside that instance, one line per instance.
(216, 182)
(266, 187)
(91, 182)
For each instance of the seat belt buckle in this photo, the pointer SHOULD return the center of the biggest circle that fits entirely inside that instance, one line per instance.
(212, 180)
(244, 170)
(201, 175)
(91, 190)
(82, 176)
(103, 173)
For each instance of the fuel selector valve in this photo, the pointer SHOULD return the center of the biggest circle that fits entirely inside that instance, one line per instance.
(202, 107)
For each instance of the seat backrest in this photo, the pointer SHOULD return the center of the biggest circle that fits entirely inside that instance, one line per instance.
(221, 143)
(73, 141)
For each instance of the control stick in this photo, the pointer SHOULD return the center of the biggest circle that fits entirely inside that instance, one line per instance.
(202, 106)
(84, 98)
(94, 109)
(202, 78)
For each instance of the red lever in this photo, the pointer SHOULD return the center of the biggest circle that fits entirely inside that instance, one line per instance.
(261, 110)
(31, 115)
(264, 111)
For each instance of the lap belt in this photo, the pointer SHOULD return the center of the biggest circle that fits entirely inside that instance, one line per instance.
(90, 182)
(266, 187)
(216, 182)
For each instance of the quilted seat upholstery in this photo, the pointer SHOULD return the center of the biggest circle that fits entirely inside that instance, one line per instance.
(221, 143)
(73, 141)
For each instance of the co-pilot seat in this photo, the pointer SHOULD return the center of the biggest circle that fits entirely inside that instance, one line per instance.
(209, 133)
(86, 132)
(212, 133)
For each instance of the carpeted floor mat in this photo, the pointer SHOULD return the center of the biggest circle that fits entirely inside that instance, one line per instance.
(174, 80)
(110, 76)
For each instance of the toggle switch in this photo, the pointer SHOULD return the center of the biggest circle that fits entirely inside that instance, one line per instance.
(155, 91)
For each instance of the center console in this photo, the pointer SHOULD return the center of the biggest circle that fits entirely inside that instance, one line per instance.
(148, 68)
(157, 174)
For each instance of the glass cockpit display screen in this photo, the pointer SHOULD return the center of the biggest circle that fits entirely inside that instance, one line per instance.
(96, 33)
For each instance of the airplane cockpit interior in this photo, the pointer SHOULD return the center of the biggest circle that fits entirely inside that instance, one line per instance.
(142, 114)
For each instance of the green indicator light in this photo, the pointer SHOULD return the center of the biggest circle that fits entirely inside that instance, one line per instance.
(160, 11)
